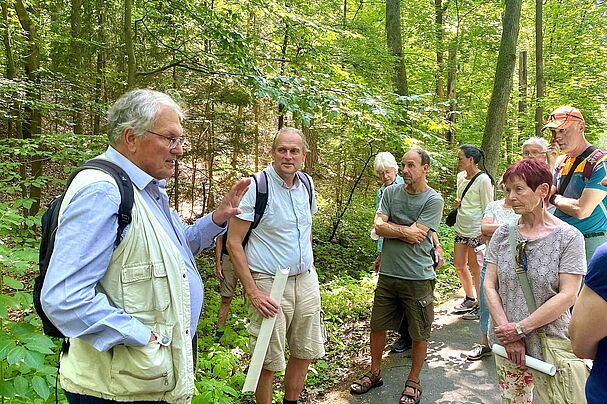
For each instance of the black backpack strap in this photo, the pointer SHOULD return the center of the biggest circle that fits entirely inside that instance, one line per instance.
(125, 186)
(305, 180)
(261, 200)
(562, 186)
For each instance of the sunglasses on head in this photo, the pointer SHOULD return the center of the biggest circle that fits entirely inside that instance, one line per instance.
(561, 115)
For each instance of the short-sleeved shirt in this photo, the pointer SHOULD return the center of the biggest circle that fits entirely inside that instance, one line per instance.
(559, 252)
(472, 208)
(596, 279)
(499, 214)
(282, 237)
(403, 260)
(597, 221)
(380, 192)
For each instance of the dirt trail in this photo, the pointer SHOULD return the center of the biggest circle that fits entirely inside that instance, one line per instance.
(447, 376)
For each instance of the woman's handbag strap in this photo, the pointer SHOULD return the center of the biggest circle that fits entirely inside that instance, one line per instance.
(521, 270)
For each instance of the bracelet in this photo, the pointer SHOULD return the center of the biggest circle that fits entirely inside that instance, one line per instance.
(519, 330)
(552, 199)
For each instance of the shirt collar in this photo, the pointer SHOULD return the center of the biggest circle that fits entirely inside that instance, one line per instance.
(138, 177)
(275, 177)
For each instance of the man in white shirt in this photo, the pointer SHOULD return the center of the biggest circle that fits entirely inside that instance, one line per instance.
(281, 240)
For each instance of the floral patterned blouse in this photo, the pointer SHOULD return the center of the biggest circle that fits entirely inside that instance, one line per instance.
(559, 252)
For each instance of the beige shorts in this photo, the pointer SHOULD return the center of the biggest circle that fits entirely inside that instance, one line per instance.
(298, 321)
(230, 280)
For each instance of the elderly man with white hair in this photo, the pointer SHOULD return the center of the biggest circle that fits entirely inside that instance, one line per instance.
(130, 310)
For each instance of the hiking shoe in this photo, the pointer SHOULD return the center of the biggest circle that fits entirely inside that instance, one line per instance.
(479, 352)
(400, 345)
(472, 314)
(467, 305)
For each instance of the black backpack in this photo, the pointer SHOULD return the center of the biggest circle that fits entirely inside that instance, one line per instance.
(261, 200)
(50, 221)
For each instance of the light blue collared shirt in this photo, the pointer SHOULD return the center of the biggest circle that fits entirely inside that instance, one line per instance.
(83, 247)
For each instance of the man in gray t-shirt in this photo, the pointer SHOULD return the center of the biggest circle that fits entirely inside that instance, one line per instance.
(408, 215)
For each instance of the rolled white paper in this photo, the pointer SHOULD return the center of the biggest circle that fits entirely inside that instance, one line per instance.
(265, 332)
(530, 361)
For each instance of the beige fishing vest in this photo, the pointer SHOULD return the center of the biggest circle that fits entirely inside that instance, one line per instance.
(147, 278)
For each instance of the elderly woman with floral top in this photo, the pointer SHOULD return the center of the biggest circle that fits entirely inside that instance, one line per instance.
(554, 254)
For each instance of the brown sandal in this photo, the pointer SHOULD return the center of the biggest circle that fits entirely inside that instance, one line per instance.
(416, 396)
(366, 383)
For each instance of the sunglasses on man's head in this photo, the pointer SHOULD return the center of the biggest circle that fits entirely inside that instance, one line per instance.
(560, 115)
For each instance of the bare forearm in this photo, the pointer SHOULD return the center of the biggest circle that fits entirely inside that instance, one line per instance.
(548, 312)
(494, 304)
(570, 207)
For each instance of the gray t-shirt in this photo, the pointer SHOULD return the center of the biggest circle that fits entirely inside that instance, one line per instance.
(560, 252)
(410, 261)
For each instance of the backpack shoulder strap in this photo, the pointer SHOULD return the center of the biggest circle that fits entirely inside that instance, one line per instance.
(591, 161)
(125, 187)
(305, 180)
(261, 201)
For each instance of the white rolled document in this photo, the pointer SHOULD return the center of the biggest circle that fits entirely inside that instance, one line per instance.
(265, 332)
(530, 361)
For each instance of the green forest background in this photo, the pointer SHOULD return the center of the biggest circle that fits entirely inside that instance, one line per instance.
(357, 76)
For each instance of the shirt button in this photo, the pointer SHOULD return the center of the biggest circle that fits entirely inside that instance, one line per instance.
(184, 276)
(187, 332)
(157, 198)
(165, 340)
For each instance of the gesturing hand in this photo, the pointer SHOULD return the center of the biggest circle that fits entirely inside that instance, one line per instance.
(229, 204)
(264, 304)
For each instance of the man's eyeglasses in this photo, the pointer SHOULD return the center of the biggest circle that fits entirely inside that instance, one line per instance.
(521, 255)
(173, 141)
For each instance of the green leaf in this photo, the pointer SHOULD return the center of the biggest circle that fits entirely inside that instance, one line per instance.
(6, 388)
(33, 359)
(21, 385)
(6, 345)
(40, 387)
(12, 282)
(39, 343)
(16, 355)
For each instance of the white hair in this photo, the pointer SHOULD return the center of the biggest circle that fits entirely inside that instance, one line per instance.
(385, 160)
(537, 141)
(137, 109)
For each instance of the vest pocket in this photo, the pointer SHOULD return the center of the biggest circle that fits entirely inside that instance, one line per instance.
(146, 369)
(145, 287)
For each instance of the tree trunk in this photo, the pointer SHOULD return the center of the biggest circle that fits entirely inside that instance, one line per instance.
(502, 85)
(539, 68)
(283, 53)
(76, 48)
(451, 88)
(100, 67)
(128, 44)
(522, 102)
(256, 114)
(440, 35)
(393, 35)
(312, 156)
(33, 121)
(11, 69)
